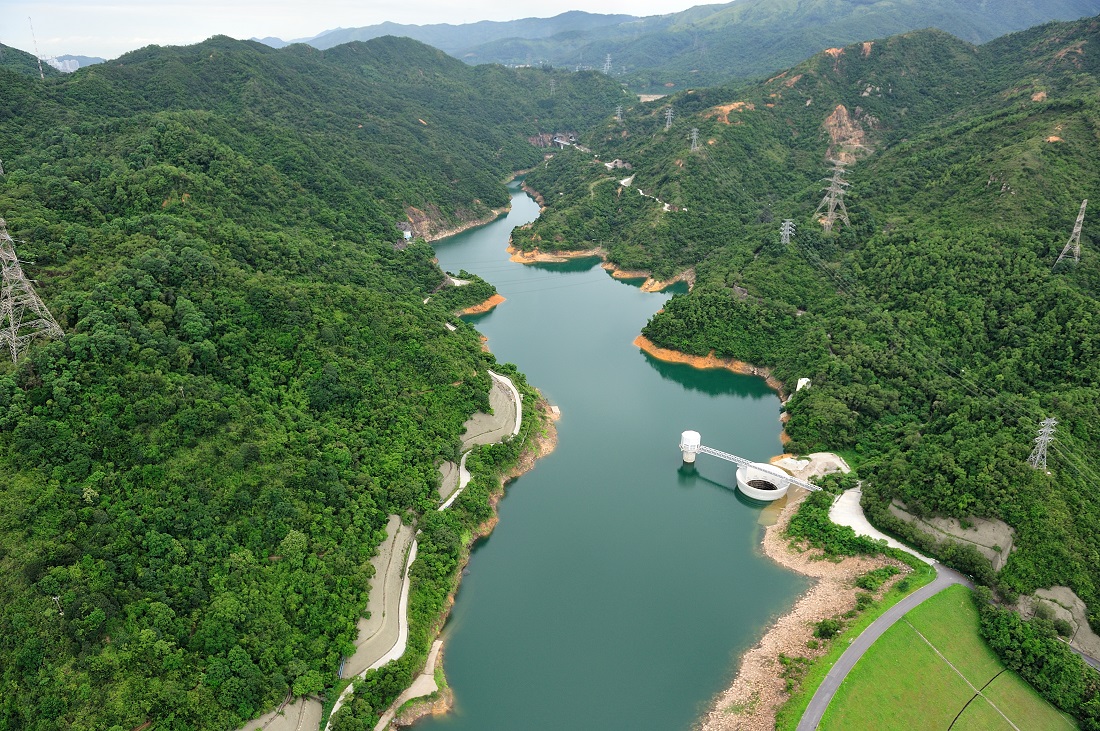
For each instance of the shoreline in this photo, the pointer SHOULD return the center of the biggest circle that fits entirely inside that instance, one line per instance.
(712, 361)
(542, 445)
(537, 256)
(484, 307)
(751, 700)
(494, 214)
(534, 256)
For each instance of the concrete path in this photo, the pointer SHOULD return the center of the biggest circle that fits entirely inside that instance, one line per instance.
(846, 510)
(423, 685)
(304, 714)
(945, 577)
(379, 630)
(398, 648)
(481, 428)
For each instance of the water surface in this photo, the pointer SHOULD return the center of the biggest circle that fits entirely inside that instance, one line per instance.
(618, 590)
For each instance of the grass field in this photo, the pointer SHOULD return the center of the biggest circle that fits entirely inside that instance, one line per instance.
(923, 673)
(790, 713)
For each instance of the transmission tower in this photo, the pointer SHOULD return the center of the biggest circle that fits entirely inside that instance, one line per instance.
(834, 198)
(1074, 243)
(786, 231)
(36, 54)
(619, 113)
(22, 314)
(2, 168)
(1038, 458)
(694, 139)
(607, 65)
(553, 85)
(668, 118)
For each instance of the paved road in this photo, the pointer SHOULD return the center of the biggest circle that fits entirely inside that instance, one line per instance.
(945, 577)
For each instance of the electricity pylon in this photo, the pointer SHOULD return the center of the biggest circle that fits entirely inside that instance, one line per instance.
(1038, 458)
(834, 198)
(607, 65)
(1074, 243)
(619, 113)
(694, 139)
(668, 118)
(786, 231)
(23, 316)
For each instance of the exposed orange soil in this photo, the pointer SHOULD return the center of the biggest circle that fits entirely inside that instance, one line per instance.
(846, 133)
(867, 48)
(1054, 138)
(722, 112)
(553, 257)
(710, 361)
(1039, 96)
(485, 306)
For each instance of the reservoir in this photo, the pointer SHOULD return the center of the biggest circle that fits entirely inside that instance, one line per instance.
(618, 591)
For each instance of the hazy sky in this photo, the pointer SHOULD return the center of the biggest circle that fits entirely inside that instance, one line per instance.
(109, 28)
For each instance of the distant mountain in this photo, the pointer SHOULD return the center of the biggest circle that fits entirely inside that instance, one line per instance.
(69, 63)
(457, 39)
(711, 44)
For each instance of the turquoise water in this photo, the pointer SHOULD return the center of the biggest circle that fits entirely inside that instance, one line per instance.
(619, 589)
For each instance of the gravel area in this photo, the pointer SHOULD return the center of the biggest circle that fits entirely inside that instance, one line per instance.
(751, 701)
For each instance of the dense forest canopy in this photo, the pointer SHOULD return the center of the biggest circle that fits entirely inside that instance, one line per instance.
(197, 475)
(933, 329)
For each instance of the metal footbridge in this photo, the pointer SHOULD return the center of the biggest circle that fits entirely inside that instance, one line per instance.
(691, 445)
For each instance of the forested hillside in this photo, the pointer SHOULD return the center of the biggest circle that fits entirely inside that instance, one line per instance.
(196, 476)
(933, 328)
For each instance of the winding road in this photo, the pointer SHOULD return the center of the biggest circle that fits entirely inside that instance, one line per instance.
(847, 511)
(945, 577)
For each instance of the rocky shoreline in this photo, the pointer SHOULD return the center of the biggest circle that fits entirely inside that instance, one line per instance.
(751, 701)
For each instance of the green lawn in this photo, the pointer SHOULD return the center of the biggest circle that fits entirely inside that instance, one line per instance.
(942, 620)
(790, 713)
(1024, 705)
(980, 716)
(903, 683)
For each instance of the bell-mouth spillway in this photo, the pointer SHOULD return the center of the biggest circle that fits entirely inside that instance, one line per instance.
(756, 480)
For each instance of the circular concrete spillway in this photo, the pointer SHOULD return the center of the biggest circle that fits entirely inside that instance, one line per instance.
(762, 481)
